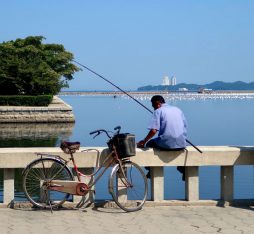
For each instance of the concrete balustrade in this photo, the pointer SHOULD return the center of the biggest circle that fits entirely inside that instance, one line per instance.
(224, 156)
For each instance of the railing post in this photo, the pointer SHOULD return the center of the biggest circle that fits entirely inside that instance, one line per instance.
(227, 183)
(191, 183)
(157, 183)
(8, 185)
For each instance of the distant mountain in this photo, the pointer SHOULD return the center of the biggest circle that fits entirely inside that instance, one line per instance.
(217, 85)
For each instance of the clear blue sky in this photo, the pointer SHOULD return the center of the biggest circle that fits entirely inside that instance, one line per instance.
(137, 43)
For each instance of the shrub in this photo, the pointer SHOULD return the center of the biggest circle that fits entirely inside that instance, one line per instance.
(29, 67)
(24, 100)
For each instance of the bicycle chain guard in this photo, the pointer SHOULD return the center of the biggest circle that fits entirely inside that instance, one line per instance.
(72, 187)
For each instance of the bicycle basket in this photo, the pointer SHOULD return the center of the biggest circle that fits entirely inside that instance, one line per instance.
(125, 145)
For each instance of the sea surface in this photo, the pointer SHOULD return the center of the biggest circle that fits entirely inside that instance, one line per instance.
(212, 120)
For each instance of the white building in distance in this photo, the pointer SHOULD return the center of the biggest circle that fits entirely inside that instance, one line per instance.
(165, 81)
(173, 80)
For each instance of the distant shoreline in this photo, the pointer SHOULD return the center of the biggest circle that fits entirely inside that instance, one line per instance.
(108, 92)
(117, 93)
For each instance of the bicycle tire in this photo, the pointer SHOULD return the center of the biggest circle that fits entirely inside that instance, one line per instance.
(128, 187)
(39, 171)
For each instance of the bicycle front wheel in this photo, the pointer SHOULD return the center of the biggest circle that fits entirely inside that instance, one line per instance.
(128, 186)
(38, 174)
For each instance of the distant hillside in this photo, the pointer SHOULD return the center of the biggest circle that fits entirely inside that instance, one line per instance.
(217, 85)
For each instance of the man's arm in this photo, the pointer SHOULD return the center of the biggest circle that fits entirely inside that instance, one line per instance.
(150, 134)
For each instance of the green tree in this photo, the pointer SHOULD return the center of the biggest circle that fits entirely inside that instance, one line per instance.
(27, 66)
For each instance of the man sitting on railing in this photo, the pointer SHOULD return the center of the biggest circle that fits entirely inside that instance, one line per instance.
(170, 123)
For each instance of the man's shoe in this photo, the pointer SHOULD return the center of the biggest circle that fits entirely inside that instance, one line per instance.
(181, 169)
(148, 175)
(183, 177)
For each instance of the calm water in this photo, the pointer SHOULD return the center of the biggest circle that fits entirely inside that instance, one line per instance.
(210, 122)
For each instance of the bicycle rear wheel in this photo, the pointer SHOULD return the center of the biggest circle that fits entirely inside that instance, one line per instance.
(128, 186)
(36, 177)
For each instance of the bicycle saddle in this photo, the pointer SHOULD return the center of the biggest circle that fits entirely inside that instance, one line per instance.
(69, 147)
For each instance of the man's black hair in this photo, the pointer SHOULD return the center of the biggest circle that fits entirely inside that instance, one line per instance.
(157, 98)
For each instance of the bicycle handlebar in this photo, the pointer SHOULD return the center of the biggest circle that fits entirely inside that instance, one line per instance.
(117, 128)
(99, 131)
(96, 131)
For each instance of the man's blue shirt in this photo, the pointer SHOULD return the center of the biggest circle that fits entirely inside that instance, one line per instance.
(171, 124)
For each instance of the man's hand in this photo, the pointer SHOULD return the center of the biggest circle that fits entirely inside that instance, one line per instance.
(141, 144)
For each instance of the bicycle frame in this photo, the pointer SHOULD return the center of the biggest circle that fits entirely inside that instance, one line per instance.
(78, 187)
(49, 180)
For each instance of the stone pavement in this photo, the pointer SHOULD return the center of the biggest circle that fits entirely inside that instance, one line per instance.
(159, 219)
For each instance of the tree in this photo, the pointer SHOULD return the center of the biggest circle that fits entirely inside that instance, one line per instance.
(27, 66)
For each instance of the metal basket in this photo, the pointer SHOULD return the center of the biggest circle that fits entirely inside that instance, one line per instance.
(125, 145)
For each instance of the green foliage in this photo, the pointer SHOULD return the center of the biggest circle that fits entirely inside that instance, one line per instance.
(22, 100)
(29, 67)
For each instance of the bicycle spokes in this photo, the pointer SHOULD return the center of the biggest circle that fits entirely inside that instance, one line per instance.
(36, 181)
(128, 186)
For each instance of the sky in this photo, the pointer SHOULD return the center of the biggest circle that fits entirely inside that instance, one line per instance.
(137, 43)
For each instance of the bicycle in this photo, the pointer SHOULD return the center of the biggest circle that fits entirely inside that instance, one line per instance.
(48, 181)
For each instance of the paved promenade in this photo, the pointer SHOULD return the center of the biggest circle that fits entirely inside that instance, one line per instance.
(160, 219)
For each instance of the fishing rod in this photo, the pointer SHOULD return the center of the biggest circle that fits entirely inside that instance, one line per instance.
(112, 84)
(97, 74)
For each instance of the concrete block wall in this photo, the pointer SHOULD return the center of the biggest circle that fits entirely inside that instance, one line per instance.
(58, 111)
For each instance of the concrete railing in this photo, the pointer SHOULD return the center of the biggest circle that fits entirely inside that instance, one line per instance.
(224, 156)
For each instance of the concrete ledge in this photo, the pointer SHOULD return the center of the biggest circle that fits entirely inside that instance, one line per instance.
(57, 111)
(212, 156)
(112, 204)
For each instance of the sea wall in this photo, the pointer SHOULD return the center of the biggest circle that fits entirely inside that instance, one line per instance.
(57, 112)
(34, 131)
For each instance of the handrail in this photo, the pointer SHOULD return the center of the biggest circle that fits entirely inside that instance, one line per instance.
(224, 156)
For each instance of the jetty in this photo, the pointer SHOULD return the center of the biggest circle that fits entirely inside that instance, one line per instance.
(168, 96)
(226, 215)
